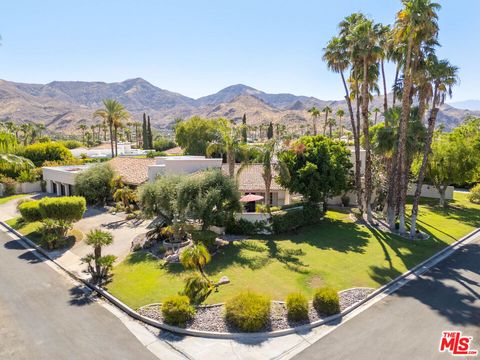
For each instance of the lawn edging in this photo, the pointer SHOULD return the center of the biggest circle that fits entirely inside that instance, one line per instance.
(424, 265)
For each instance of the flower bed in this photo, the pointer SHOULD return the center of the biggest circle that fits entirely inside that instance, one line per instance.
(212, 317)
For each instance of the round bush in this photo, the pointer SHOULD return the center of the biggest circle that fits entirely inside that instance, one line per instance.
(248, 311)
(474, 195)
(30, 210)
(326, 301)
(177, 310)
(297, 307)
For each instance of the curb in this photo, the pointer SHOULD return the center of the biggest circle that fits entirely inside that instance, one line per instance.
(220, 335)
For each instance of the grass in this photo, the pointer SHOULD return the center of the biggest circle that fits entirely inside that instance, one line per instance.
(33, 231)
(6, 199)
(335, 252)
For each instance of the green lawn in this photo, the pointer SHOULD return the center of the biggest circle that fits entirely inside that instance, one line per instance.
(335, 252)
(6, 199)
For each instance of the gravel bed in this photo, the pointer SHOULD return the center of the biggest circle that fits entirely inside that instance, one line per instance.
(212, 318)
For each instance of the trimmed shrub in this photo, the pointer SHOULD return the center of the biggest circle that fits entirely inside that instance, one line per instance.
(152, 154)
(297, 307)
(177, 310)
(95, 184)
(326, 301)
(71, 144)
(474, 195)
(163, 143)
(30, 210)
(68, 208)
(293, 219)
(248, 311)
(49, 151)
(244, 227)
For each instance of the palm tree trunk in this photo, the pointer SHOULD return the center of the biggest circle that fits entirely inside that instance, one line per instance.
(402, 144)
(97, 252)
(110, 126)
(397, 73)
(356, 143)
(423, 167)
(231, 163)
(314, 125)
(116, 141)
(366, 134)
(325, 124)
(385, 98)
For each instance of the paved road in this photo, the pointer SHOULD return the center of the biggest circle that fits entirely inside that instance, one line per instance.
(44, 316)
(408, 324)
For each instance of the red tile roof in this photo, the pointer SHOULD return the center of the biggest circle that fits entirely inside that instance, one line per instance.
(134, 171)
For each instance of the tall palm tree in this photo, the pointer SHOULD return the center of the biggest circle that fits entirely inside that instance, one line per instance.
(113, 114)
(415, 25)
(82, 128)
(384, 35)
(375, 110)
(26, 129)
(442, 77)
(365, 55)
(327, 110)
(315, 113)
(331, 123)
(340, 114)
(93, 127)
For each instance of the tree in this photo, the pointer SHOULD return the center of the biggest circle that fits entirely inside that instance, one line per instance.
(208, 196)
(416, 25)
(315, 113)
(316, 167)
(226, 143)
(160, 197)
(244, 128)
(95, 183)
(101, 264)
(12, 165)
(340, 114)
(194, 135)
(126, 196)
(327, 110)
(144, 132)
(113, 114)
(441, 77)
(375, 110)
(82, 128)
(149, 134)
(270, 131)
(331, 123)
(39, 153)
(453, 160)
(196, 257)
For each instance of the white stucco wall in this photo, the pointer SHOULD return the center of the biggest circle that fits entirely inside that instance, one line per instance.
(430, 191)
(181, 165)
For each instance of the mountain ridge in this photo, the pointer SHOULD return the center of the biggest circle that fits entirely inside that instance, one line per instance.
(63, 105)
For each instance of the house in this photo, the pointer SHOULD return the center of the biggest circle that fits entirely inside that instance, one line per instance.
(250, 181)
(104, 150)
(181, 165)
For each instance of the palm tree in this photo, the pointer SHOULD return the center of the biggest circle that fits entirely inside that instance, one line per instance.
(327, 110)
(315, 113)
(97, 239)
(340, 114)
(8, 161)
(442, 77)
(104, 129)
(384, 35)
(25, 128)
(365, 55)
(337, 57)
(113, 114)
(93, 127)
(125, 195)
(331, 122)
(227, 144)
(196, 257)
(415, 25)
(82, 128)
(376, 110)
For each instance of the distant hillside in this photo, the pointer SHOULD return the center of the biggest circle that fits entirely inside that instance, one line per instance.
(467, 104)
(63, 105)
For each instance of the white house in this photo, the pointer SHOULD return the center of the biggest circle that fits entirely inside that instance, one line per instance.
(60, 179)
(181, 165)
(104, 150)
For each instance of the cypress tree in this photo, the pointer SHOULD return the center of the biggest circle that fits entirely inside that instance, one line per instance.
(144, 132)
(244, 128)
(149, 134)
(270, 131)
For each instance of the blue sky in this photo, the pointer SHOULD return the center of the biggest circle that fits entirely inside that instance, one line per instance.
(198, 47)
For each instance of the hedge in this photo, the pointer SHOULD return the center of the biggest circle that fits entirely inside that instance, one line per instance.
(68, 208)
(290, 220)
(30, 210)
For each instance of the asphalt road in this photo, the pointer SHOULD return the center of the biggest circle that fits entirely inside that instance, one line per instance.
(44, 316)
(408, 324)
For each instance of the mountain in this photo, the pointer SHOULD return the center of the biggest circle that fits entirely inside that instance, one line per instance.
(63, 105)
(466, 104)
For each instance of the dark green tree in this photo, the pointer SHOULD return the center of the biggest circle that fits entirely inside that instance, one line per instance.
(149, 134)
(244, 128)
(144, 132)
(270, 131)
